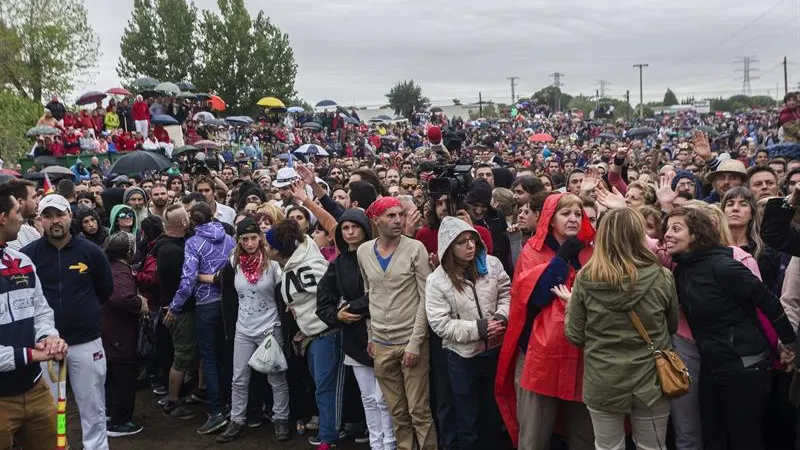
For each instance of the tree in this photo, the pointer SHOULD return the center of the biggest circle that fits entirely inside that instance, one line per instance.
(406, 97)
(297, 101)
(487, 112)
(669, 98)
(552, 97)
(17, 115)
(159, 41)
(243, 59)
(47, 45)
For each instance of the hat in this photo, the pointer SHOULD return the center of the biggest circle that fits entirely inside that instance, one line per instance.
(247, 225)
(729, 166)
(53, 201)
(133, 190)
(285, 177)
(120, 180)
(480, 192)
(435, 135)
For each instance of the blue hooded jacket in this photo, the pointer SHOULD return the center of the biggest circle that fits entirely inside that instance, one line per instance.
(206, 252)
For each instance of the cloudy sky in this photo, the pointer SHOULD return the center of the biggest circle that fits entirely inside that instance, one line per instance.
(355, 50)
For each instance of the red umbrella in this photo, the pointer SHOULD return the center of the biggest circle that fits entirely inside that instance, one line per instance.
(217, 104)
(206, 144)
(542, 137)
(90, 97)
(119, 91)
(9, 172)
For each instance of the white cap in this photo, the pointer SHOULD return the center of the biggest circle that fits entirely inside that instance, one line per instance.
(53, 201)
(285, 177)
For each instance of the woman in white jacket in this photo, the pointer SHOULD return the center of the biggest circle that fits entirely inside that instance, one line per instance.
(467, 301)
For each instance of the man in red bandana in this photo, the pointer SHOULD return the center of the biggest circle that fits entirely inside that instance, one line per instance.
(395, 269)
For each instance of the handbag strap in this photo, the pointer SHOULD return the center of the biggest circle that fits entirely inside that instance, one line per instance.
(637, 323)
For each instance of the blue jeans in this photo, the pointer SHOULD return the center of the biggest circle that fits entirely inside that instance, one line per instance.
(208, 329)
(326, 364)
(477, 417)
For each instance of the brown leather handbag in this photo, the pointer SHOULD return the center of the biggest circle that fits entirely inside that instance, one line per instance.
(672, 372)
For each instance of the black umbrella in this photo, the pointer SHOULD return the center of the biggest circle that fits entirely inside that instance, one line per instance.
(38, 176)
(163, 119)
(139, 161)
(90, 97)
(46, 161)
(203, 96)
(436, 109)
(185, 149)
(641, 132)
(239, 120)
(147, 93)
(214, 122)
(185, 86)
(607, 136)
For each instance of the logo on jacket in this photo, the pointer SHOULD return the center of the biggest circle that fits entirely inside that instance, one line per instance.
(80, 267)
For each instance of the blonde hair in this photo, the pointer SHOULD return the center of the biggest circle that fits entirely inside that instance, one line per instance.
(274, 214)
(567, 201)
(504, 201)
(717, 216)
(619, 249)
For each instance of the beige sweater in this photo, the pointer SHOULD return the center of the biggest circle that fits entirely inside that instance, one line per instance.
(397, 296)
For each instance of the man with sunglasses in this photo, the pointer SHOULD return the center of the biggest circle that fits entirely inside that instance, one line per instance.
(408, 184)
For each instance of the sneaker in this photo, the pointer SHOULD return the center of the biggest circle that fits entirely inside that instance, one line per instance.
(125, 429)
(326, 446)
(178, 411)
(214, 423)
(198, 396)
(314, 441)
(361, 438)
(160, 390)
(232, 432)
(282, 432)
(254, 422)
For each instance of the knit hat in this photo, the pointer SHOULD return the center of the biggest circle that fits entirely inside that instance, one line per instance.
(435, 135)
(247, 225)
(133, 190)
(479, 192)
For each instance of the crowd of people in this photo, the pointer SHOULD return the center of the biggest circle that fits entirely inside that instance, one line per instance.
(434, 284)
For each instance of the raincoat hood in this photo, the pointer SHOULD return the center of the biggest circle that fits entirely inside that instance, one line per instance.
(623, 301)
(586, 233)
(449, 230)
(352, 215)
(112, 219)
(212, 232)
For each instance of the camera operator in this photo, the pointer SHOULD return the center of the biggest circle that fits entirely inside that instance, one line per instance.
(479, 198)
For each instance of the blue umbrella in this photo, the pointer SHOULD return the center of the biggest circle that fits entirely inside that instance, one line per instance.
(295, 109)
(311, 149)
(326, 103)
(351, 120)
(185, 86)
(163, 119)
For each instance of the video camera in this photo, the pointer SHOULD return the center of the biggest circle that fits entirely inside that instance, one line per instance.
(452, 180)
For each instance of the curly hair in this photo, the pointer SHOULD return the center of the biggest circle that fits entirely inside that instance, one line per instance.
(706, 234)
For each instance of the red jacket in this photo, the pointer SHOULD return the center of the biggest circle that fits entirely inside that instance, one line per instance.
(140, 111)
(553, 366)
(161, 134)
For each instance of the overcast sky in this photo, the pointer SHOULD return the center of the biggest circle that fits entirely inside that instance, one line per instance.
(355, 50)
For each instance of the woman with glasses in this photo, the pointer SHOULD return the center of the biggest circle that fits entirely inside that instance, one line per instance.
(123, 218)
(467, 300)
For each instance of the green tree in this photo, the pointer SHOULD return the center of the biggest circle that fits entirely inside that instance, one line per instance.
(50, 46)
(489, 111)
(581, 103)
(669, 98)
(406, 97)
(159, 41)
(17, 115)
(243, 59)
(552, 97)
(297, 101)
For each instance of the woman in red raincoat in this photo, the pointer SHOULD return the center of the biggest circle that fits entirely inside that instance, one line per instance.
(539, 373)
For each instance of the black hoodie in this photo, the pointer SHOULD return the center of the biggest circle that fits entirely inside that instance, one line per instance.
(100, 236)
(343, 280)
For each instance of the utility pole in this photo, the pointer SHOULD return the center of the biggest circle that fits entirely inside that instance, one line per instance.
(748, 63)
(480, 104)
(557, 83)
(628, 101)
(603, 84)
(785, 77)
(641, 67)
(513, 81)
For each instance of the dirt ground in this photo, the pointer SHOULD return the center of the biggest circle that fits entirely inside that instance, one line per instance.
(161, 433)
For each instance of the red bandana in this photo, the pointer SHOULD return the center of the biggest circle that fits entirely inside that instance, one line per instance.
(251, 266)
(380, 206)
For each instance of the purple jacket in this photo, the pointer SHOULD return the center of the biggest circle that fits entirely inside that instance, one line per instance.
(206, 252)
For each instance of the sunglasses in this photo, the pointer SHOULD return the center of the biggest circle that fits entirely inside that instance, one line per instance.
(125, 215)
(409, 186)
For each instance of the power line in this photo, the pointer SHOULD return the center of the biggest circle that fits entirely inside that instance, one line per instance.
(557, 83)
(747, 63)
(513, 85)
(603, 86)
(641, 67)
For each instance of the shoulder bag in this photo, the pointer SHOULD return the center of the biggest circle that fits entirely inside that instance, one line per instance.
(672, 372)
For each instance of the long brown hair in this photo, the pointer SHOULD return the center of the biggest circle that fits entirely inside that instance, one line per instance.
(455, 272)
(619, 249)
(262, 248)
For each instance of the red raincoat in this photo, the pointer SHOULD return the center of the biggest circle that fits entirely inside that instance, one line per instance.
(553, 366)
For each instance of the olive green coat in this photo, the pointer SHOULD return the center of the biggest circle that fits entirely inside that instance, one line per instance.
(618, 365)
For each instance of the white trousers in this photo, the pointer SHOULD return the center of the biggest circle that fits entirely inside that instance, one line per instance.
(142, 126)
(243, 349)
(86, 368)
(379, 420)
(649, 426)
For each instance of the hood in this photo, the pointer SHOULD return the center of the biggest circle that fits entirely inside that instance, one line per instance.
(84, 212)
(698, 186)
(112, 197)
(212, 232)
(304, 253)
(449, 230)
(611, 298)
(353, 215)
(112, 219)
(586, 234)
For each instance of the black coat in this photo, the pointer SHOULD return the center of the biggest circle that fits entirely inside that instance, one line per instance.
(719, 296)
(502, 245)
(776, 229)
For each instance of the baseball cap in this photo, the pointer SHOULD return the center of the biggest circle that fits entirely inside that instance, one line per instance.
(53, 201)
(285, 177)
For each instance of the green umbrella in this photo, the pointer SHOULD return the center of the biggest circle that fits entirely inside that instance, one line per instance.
(185, 149)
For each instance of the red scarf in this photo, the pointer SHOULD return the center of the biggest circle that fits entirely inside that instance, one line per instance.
(251, 266)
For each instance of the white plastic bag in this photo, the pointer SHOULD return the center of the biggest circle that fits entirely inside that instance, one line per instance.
(268, 357)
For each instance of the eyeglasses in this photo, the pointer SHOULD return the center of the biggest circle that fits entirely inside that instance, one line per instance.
(466, 240)
(125, 215)
(685, 184)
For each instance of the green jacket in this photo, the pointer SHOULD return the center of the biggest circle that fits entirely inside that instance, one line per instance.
(618, 365)
(112, 219)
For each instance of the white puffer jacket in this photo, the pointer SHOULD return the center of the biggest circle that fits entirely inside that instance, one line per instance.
(460, 318)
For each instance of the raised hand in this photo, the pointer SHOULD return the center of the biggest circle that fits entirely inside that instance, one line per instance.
(666, 196)
(299, 190)
(701, 146)
(611, 200)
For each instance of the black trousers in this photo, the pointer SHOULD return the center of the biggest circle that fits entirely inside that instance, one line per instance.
(732, 405)
(121, 391)
(442, 406)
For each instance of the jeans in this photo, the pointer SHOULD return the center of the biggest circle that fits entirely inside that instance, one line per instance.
(326, 364)
(477, 417)
(648, 424)
(208, 324)
(732, 407)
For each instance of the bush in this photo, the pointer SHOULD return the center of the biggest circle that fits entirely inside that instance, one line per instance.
(17, 115)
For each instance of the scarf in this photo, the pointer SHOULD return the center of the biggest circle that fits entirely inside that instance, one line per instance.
(251, 265)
